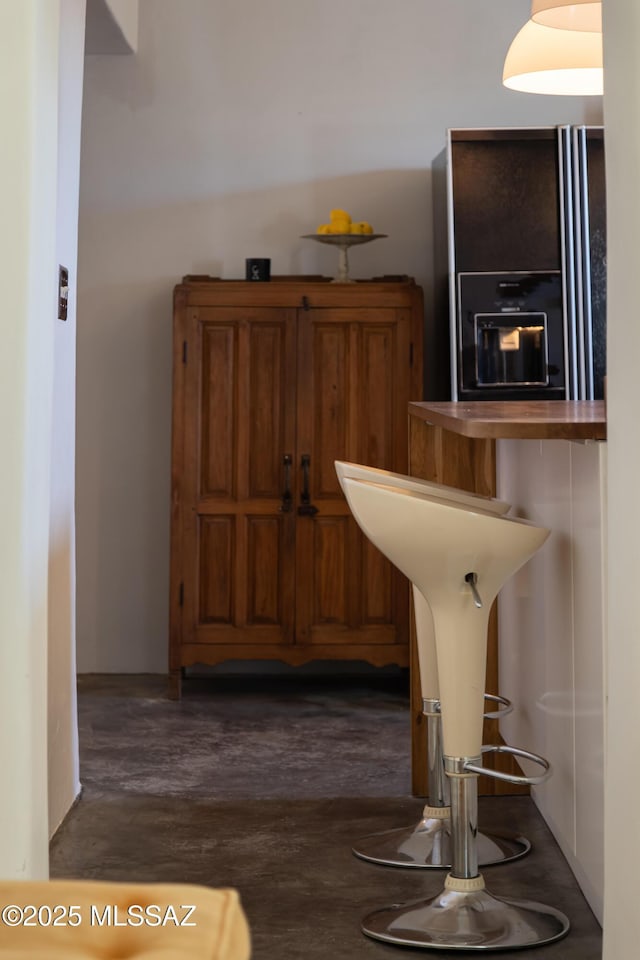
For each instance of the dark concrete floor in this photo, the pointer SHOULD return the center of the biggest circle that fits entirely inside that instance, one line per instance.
(264, 786)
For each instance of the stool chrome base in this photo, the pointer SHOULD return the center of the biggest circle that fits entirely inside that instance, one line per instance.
(428, 845)
(467, 921)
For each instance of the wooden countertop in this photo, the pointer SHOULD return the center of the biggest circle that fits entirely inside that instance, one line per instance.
(518, 419)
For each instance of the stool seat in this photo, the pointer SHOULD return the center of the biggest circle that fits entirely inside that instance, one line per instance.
(401, 481)
(424, 623)
(449, 550)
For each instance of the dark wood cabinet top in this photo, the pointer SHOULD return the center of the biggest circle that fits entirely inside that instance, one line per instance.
(297, 291)
(518, 419)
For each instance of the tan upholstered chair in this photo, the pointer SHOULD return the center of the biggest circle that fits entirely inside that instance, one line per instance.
(146, 927)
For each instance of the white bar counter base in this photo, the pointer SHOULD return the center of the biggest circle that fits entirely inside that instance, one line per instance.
(551, 619)
(551, 466)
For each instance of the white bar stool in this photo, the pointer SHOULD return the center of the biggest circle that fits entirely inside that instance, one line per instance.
(427, 844)
(459, 558)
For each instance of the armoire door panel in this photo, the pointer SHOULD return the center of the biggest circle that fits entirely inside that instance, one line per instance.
(264, 553)
(216, 562)
(377, 375)
(331, 393)
(330, 566)
(376, 586)
(241, 362)
(218, 409)
(246, 578)
(351, 366)
(265, 420)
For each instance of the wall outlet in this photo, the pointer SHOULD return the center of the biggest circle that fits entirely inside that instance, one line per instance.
(63, 292)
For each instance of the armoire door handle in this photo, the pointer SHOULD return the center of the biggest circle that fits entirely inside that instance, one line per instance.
(306, 508)
(287, 499)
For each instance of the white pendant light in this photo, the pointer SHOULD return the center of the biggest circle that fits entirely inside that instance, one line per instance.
(550, 60)
(568, 14)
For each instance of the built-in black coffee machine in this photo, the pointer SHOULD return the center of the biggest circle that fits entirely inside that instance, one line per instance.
(520, 262)
(510, 338)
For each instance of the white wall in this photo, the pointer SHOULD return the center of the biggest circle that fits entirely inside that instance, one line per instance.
(622, 107)
(125, 14)
(111, 26)
(28, 162)
(236, 128)
(64, 783)
(552, 625)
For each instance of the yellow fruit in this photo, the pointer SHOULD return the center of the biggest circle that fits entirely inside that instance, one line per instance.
(361, 226)
(339, 226)
(324, 228)
(340, 216)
